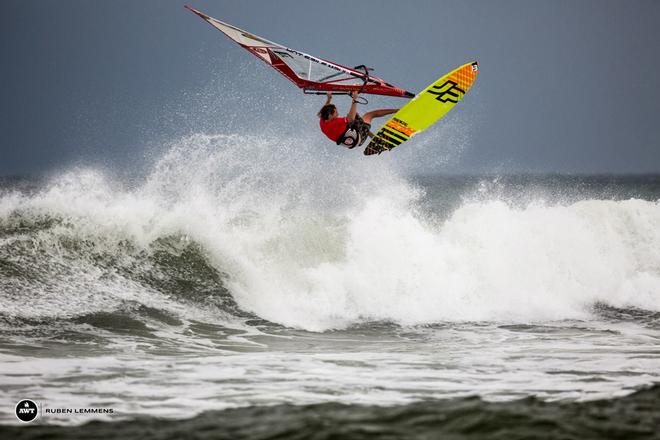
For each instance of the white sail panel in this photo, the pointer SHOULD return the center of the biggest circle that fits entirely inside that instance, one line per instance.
(240, 36)
(313, 69)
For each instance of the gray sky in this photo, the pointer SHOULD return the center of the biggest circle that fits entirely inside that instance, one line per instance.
(564, 86)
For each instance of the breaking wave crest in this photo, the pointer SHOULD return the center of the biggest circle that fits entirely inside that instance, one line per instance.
(229, 227)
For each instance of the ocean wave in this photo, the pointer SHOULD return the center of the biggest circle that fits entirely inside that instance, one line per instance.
(243, 226)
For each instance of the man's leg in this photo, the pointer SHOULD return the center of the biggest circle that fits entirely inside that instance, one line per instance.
(378, 113)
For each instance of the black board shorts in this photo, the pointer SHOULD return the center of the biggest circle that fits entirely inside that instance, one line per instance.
(356, 133)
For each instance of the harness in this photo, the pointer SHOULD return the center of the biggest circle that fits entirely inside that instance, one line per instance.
(351, 137)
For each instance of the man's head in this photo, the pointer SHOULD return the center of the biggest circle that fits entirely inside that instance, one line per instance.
(327, 112)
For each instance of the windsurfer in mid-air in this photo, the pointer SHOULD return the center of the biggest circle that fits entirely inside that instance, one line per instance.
(352, 130)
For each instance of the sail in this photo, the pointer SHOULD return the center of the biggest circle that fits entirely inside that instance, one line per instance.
(307, 72)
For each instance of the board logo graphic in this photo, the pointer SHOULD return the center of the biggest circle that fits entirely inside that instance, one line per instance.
(26, 410)
(400, 126)
(447, 92)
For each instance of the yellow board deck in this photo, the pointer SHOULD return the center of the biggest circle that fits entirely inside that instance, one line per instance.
(424, 109)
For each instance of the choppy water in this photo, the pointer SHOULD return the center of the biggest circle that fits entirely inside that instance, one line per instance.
(226, 279)
(632, 417)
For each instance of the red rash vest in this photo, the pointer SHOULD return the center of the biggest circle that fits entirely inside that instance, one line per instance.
(334, 128)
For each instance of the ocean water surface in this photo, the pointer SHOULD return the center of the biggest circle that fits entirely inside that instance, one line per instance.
(225, 287)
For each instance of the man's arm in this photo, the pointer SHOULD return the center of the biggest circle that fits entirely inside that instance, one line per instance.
(353, 111)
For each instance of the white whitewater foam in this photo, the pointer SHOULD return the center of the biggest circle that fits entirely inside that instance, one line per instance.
(320, 239)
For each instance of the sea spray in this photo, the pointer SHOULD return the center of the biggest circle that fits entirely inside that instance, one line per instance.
(321, 244)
